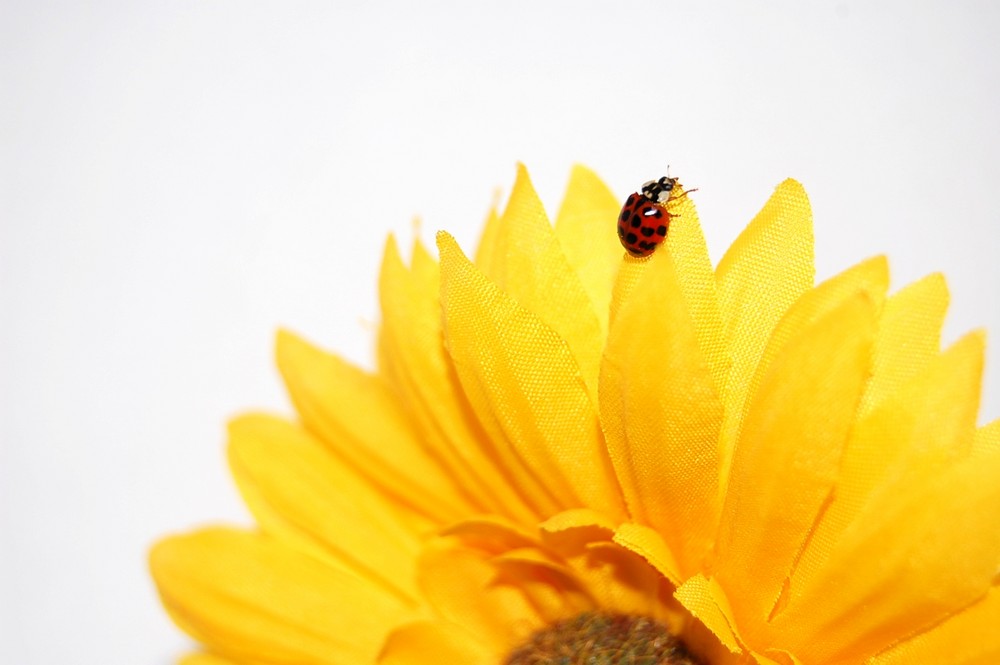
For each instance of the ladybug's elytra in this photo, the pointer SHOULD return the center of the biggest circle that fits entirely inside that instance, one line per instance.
(644, 220)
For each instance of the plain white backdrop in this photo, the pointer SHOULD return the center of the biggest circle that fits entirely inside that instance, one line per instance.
(178, 179)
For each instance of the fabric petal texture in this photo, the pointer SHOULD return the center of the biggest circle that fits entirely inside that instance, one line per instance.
(562, 436)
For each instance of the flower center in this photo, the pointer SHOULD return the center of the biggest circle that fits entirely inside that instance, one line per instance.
(597, 638)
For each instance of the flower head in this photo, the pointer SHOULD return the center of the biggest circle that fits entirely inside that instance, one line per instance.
(570, 453)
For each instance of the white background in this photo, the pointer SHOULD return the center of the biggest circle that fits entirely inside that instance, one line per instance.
(177, 179)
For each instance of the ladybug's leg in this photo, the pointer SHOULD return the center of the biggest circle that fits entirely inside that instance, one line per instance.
(679, 197)
(685, 193)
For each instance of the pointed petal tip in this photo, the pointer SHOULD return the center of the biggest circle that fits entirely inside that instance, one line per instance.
(284, 342)
(449, 251)
(154, 555)
(287, 344)
(420, 250)
(168, 550)
(522, 182)
(244, 422)
(977, 337)
(446, 242)
(393, 264)
(584, 182)
(391, 246)
(879, 260)
(792, 191)
(251, 430)
(580, 170)
(791, 184)
(878, 267)
(939, 283)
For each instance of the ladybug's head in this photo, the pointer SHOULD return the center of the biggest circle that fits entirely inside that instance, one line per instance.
(659, 191)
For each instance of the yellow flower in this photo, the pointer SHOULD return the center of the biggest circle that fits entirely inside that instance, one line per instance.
(567, 448)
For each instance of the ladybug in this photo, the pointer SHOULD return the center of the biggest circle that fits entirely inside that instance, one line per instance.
(644, 220)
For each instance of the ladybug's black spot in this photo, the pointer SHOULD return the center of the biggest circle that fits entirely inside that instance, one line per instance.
(658, 213)
(636, 221)
(621, 231)
(647, 231)
(631, 238)
(661, 231)
(631, 200)
(624, 215)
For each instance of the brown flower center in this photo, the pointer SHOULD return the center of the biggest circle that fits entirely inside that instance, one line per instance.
(596, 638)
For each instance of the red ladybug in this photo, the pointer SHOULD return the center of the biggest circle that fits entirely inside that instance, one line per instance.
(644, 220)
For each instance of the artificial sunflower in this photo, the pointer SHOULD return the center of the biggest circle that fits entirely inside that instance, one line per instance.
(570, 455)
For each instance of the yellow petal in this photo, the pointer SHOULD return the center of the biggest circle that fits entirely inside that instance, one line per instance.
(356, 415)
(761, 659)
(424, 642)
(927, 422)
(527, 390)
(622, 581)
(702, 642)
(775, 657)
(491, 534)
(871, 277)
(204, 659)
(420, 370)
(461, 585)
(249, 597)
(987, 439)
(926, 546)
(486, 250)
(579, 518)
(616, 576)
(531, 267)
(650, 545)
(768, 267)
(521, 560)
(968, 638)
(661, 413)
(630, 273)
(705, 600)
(297, 490)
(909, 337)
(588, 212)
(787, 458)
(571, 530)
(686, 244)
(416, 365)
(548, 584)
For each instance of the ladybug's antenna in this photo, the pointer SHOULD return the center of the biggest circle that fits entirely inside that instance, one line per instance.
(668, 170)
